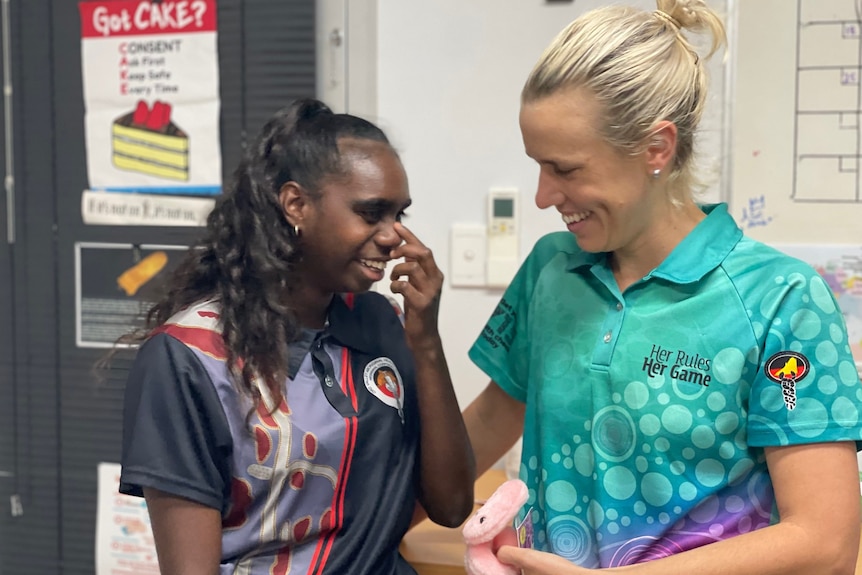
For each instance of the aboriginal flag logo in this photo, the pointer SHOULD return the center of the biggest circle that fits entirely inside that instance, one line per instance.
(787, 368)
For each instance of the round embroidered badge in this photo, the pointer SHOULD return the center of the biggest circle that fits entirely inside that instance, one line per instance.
(787, 365)
(384, 382)
(786, 368)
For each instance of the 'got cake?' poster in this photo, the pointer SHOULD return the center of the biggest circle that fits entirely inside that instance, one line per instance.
(151, 92)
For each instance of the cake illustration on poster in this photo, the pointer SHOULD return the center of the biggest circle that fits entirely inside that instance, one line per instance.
(146, 141)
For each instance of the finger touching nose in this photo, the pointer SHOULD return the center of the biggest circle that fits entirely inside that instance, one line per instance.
(387, 236)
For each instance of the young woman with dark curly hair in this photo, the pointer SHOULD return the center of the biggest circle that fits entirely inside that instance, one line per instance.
(279, 417)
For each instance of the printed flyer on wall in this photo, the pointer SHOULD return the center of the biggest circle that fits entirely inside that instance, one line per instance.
(151, 92)
(124, 538)
(841, 267)
(116, 285)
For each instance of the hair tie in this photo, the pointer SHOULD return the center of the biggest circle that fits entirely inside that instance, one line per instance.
(668, 19)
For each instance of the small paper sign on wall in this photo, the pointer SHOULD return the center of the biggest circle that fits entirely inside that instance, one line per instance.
(124, 538)
(122, 209)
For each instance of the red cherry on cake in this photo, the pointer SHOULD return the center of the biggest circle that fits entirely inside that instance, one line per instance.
(142, 112)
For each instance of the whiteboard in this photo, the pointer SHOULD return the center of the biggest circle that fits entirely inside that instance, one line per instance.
(796, 136)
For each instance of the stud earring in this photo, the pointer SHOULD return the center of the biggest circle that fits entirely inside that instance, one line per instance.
(656, 173)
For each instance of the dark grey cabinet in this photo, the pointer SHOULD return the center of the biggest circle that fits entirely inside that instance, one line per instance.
(56, 421)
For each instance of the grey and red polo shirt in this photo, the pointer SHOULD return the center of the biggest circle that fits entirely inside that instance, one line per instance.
(323, 483)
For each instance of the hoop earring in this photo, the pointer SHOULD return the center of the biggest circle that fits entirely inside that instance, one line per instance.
(656, 173)
(297, 231)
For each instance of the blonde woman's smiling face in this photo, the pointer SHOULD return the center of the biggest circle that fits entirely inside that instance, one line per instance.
(605, 197)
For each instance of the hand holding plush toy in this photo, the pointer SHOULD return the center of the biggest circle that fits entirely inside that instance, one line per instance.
(492, 527)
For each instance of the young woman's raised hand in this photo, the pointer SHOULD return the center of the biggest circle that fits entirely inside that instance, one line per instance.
(419, 281)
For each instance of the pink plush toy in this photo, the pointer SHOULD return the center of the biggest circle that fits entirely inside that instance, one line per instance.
(491, 527)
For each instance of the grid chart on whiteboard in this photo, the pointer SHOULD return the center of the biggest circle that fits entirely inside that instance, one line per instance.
(828, 135)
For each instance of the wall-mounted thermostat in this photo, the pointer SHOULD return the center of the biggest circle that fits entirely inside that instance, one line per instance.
(503, 236)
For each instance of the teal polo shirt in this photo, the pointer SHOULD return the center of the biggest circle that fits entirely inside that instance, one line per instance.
(647, 411)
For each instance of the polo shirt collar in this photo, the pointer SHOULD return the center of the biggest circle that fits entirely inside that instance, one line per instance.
(579, 259)
(700, 252)
(703, 249)
(345, 325)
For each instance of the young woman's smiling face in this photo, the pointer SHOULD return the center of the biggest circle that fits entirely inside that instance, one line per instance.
(348, 231)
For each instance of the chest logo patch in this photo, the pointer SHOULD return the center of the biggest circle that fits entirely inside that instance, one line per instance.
(786, 368)
(384, 382)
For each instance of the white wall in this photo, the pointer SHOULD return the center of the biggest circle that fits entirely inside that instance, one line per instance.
(449, 75)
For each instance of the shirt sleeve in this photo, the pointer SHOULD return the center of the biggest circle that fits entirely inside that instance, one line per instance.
(502, 350)
(806, 388)
(397, 307)
(175, 434)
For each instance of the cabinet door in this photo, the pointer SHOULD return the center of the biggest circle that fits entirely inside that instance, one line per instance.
(7, 352)
(266, 59)
(7, 390)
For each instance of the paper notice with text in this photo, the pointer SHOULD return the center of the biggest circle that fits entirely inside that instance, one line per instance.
(124, 539)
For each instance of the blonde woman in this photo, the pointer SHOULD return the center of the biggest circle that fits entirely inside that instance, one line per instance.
(687, 397)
